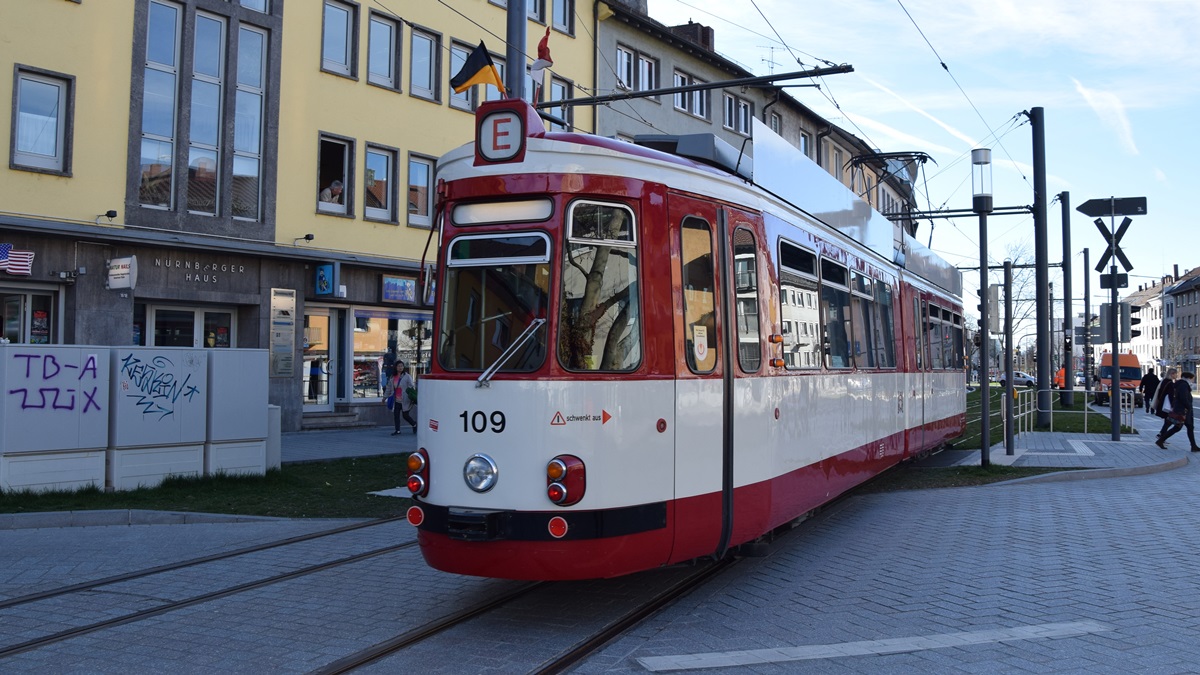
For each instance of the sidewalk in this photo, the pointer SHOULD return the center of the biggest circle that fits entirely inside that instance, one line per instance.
(1134, 454)
(317, 446)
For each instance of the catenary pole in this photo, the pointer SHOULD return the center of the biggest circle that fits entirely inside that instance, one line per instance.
(1037, 123)
(1068, 394)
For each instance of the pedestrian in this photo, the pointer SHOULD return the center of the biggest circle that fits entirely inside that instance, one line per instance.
(1181, 412)
(1163, 402)
(398, 386)
(316, 371)
(1147, 387)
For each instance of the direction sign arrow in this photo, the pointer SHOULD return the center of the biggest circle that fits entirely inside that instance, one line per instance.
(1113, 207)
(1113, 242)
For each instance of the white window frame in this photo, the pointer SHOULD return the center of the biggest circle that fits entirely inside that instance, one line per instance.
(390, 80)
(59, 160)
(490, 92)
(560, 90)
(415, 220)
(564, 16)
(346, 177)
(432, 57)
(467, 100)
(346, 64)
(694, 103)
(625, 72)
(388, 213)
(647, 74)
(776, 123)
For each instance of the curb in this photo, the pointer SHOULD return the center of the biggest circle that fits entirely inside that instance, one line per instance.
(1089, 474)
(22, 521)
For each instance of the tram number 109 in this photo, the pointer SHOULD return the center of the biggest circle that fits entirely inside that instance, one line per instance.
(478, 421)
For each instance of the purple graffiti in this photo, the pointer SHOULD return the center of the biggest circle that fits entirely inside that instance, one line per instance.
(46, 368)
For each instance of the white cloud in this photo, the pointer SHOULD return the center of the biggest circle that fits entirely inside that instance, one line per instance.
(1111, 111)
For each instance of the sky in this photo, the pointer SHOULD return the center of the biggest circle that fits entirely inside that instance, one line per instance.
(1115, 79)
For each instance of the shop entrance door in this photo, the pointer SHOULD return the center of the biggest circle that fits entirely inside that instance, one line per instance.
(14, 312)
(320, 360)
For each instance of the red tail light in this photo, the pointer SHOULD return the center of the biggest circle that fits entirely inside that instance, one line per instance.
(566, 480)
(418, 473)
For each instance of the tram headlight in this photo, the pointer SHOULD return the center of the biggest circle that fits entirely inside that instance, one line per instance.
(480, 473)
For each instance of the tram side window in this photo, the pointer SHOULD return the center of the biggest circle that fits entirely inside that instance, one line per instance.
(835, 307)
(883, 331)
(933, 333)
(918, 339)
(798, 282)
(862, 299)
(699, 304)
(956, 333)
(599, 315)
(746, 276)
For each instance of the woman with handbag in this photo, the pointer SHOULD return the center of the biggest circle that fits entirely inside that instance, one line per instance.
(1181, 414)
(398, 387)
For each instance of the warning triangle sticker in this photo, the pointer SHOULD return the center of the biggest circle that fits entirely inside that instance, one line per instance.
(558, 420)
(604, 417)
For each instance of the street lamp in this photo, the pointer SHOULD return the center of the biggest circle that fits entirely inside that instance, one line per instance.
(981, 188)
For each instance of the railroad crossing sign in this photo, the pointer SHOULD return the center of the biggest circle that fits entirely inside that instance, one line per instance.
(1112, 207)
(1113, 240)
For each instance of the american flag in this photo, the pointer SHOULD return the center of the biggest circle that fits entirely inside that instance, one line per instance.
(20, 262)
(4, 249)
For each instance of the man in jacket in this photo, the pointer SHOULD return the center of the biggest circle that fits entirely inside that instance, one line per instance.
(1147, 387)
(1181, 404)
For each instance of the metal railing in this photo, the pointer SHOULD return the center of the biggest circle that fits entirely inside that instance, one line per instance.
(1025, 410)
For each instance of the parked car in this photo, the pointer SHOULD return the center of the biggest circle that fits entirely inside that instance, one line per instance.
(1019, 379)
(1061, 376)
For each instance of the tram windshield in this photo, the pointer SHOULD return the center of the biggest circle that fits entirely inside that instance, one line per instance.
(496, 287)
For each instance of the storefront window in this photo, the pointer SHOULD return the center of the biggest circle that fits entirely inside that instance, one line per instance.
(27, 318)
(380, 339)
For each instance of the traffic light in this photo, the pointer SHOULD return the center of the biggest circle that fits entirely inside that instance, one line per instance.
(1067, 343)
(1105, 321)
(1127, 321)
(1133, 320)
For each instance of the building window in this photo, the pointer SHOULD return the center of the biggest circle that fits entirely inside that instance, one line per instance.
(158, 106)
(379, 187)
(420, 191)
(776, 123)
(564, 16)
(458, 57)
(536, 10)
(43, 103)
(647, 73)
(338, 46)
(806, 143)
(624, 68)
(383, 53)
(694, 102)
(560, 90)
(256, 5)
(204, 134)
(490, 92)
(737, 114)
(223, 88)
(424, 65)
(250, 103)
(335, 171)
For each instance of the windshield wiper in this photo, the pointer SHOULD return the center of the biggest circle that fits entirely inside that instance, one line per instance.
(486, 376)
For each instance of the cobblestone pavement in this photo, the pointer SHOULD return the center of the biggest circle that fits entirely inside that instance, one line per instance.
(1075, 572)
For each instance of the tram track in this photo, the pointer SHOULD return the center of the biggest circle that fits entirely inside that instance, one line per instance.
(183, 564)
(576, 652)
(164, 608)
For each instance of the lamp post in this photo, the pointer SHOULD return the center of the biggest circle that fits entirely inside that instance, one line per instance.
(981, 189)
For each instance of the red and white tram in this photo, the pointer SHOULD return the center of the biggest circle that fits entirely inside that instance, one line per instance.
(643, 358)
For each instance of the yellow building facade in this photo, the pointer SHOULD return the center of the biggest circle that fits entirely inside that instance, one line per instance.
(199, 142)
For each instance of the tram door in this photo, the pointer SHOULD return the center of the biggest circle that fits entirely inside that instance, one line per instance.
(701, 490)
